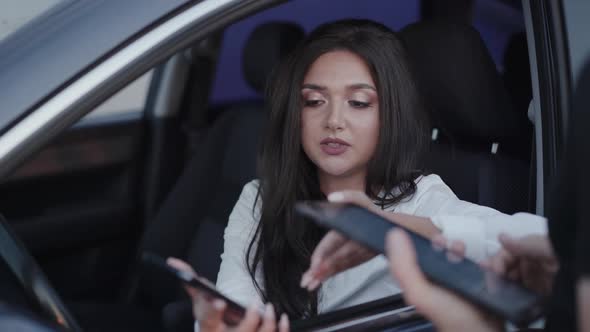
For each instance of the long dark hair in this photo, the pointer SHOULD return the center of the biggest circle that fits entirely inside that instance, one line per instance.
(283, 243)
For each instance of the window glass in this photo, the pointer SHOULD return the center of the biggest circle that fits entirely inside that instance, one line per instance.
(130, 99)
(498, 23)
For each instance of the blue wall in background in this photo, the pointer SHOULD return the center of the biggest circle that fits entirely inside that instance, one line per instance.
(495, 21)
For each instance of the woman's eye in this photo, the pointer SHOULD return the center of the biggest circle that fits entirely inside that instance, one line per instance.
(358, 104)
(313, 102)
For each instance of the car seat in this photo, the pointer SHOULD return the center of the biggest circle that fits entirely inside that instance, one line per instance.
(477, 136)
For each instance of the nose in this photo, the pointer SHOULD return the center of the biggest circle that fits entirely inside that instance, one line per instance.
(335, 120)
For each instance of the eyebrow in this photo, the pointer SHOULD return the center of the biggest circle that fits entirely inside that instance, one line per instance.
(314, 87)
(361, 86)
(355, 86)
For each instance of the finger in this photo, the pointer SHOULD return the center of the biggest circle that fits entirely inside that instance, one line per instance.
(456, 252)
(486, 264)
(328, 244)
(429, 300)
(439, 242)
(531, 246)
(458, 248)
(211, 315)
(284, 323)
(513, 274)
(269, 321)
(514, 246)
(492, 282)
(501, 261)
(404, 266)
(201, 308)
(180, 264)
(193, 293)
(331, 242)
(251, 319)
(347, 256)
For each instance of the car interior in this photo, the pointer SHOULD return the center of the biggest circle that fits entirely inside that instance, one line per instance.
(165, 178)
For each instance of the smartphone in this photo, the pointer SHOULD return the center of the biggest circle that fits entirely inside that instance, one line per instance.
(490, 291)
(234, 312)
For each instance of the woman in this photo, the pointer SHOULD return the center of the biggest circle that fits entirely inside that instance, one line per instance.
(344, 116)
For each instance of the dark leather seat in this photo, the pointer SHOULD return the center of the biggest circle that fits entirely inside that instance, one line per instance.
(481, 145)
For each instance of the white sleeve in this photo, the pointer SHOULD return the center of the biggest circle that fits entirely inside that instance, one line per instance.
(233, 278)
(478, 226)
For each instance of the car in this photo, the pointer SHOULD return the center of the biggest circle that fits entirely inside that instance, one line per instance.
(85, 191)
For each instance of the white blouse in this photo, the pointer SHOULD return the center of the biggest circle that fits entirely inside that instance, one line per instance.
(477, 226)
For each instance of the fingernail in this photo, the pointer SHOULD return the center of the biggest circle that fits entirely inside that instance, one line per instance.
(336, 197)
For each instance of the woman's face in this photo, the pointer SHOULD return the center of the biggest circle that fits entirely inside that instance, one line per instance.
(340, 116)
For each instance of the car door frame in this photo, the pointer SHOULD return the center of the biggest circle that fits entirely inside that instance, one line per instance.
(552, 87)
(68, 103)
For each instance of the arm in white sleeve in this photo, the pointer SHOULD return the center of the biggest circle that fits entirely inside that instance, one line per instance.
(477, 226)
(233, 279)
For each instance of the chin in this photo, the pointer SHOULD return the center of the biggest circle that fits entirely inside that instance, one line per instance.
(336, 171)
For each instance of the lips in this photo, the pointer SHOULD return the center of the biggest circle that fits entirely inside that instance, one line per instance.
(334, 146)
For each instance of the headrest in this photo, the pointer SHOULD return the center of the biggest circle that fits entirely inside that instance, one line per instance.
(266, 46)
(464, 92)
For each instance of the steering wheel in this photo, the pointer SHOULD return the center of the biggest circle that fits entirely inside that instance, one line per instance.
(28, 273)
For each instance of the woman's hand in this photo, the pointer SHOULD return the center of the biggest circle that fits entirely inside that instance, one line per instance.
(529, 260)
(209, 311)
(336, 253)
(444, 309)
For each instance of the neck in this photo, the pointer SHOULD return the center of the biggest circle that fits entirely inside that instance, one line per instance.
(330, 183)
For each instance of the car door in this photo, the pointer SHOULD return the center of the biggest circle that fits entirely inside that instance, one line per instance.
(75, 190)
(75, 203)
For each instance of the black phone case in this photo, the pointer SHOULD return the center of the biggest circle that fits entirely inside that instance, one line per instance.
(233, 312)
